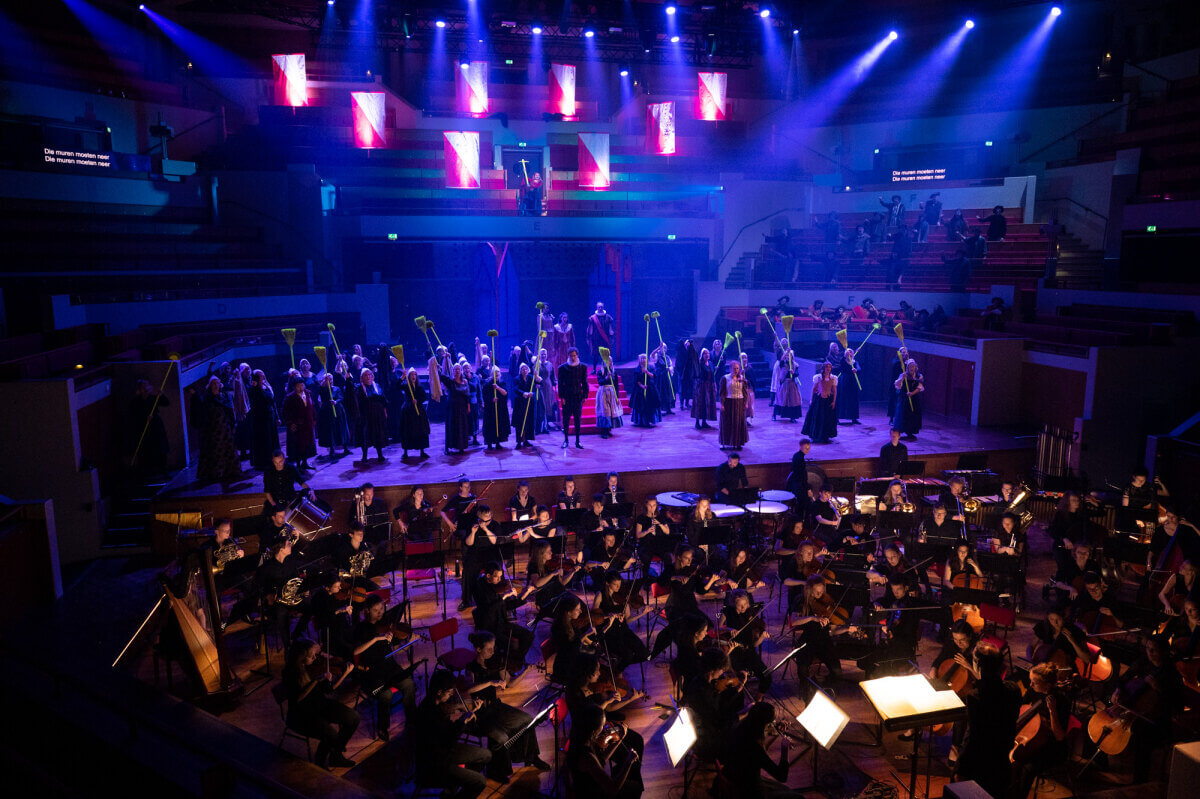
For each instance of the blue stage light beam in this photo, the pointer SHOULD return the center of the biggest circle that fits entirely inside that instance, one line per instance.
(207, 56)
(1012, 81)
(931, 73)
(117, 39)
(774, 60)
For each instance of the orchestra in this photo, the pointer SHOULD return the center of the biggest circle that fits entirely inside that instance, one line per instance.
(857, 587)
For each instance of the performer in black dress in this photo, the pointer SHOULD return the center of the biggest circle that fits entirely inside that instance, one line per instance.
(414, 417)
(373, 412)
(644, 400)
(621, 644)
(523, 398)
(848, 387)
(687, 365)
(494, 411)
(495, 719)
(458, 410)
(897, 369)
(703, 396)
(821, 422)
(908, 388)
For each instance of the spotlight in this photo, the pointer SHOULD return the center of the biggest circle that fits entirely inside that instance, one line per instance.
(675, 39)
(893, 36)
(441, 23)
(624, 71)
(670, 11)
(328, 2)
(1056, 11)
(536, 30)
(142, 7)
(969, 24)
(464, 66)
(795, 31)
(589, 33)
(766, 12)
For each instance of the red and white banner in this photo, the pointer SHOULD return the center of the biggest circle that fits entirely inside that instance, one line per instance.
(710, 101)
(368, 110)
(462, 159)
(594, 171)
(473, 89)
(562, 89)
(291, 79)
(660, 128)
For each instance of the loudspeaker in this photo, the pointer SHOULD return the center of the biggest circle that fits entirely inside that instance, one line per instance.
(969, 789)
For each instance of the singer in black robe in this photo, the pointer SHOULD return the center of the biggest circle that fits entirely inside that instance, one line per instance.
(414, 416)
(458, 411)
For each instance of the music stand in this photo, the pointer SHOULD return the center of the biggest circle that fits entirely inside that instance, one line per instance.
(739, 496)
(972, 461)
(824, 722)
(570, 518)
(912, 703)
(621, 510)
(912, 469)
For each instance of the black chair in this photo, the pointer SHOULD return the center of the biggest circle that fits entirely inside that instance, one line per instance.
(277, 691)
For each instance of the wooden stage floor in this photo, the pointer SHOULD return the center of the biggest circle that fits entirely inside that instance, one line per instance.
(671, 445)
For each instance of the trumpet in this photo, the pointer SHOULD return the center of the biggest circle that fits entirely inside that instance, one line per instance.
(906, 506)
(360, 508)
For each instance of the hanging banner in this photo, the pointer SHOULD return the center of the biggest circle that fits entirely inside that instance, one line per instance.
(473, 89)
(462, 159)
(291, 79)
(594, 172)
(660, 128)
(368, 119)
(711, 97)
(562, 89)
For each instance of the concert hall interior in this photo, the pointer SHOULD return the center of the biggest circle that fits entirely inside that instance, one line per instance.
(503, 398)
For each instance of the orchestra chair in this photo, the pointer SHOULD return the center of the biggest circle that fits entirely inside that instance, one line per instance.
(435, 574)
(1062, 773)
(657, 592)
(456, 659)
(280, 695)
(997, 622)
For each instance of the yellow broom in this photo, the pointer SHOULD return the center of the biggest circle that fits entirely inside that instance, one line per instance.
(289, 335)
(899, 331)
(332, 337)
(646, 378)
(737, 336)
(654, 315)
(533, 373)
(398, 351)
(322, 356)
(843, 338)
(429, 326)
(173, 357)
(420, 323)
(493, 335)
(763, 313)
(606, 356)
(788, 321)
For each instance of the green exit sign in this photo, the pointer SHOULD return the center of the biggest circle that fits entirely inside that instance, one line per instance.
(393, 236)
(1151, 228)
(508, 61)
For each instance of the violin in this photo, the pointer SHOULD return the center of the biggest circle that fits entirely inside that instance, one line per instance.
(568, 566)
(730, 679)
(828, 608)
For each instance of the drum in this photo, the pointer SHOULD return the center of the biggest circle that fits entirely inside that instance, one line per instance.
(727, 511)
(767, 508)
(777, 495)
(309, 517)
(675, 499)
(816, 478)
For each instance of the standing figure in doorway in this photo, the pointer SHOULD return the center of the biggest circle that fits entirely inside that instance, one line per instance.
(601, 332)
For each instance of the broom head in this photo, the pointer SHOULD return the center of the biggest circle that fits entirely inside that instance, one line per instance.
(841, 337)
(398, 351)
(762, 311)
(172, 356)
(419, 322)
(654, 314)
(493, 333)
(899, 329)
(787, 324)
(728, 340)
(429, 324)
(541, 306)
(320, 353)
(330, 327)
(737, 334)
(289, 335)
(606, 356)
(646, 316)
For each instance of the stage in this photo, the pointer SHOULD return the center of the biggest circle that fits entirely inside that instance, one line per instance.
(645, 457)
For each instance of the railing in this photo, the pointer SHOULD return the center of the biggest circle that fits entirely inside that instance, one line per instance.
(1073, 133)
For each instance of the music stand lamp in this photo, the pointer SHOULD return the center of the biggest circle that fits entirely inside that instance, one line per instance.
(912, 703)
(679, 738)
(824, 721)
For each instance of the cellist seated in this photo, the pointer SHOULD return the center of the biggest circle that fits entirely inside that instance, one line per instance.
(1093, 608)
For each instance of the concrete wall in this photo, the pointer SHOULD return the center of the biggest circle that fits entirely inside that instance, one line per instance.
(747, 201)
(115, 189)
(45, 462)
(1067, 190)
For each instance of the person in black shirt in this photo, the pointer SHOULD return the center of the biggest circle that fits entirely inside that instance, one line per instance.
(594, 521)
(902, 632)
(1140, 493)
(731, 475)
(1173, 541)
(1057, 635)
(441, 759)
(653, 532)
(495, 719)
(480, 539)
(960, 649)
(1054, 707)
(812, 623)
(683, 583)
(714, 706)
(825, 518)
(997, 224)
(346, 547)
(747, 630)
(522, 504)
(746, 758)
(569, 637)
(373, 514)
(940, 531)
(1152, 686)
(272, 576)
(892, 454)
(572, 391)
(621, 644)
(414, 516)
(952, 499)
(595, 742)
(568, 498)
(378, 670)
(456, 511)
(992, 708)
(333, 617)
(797, 479)
(280, 481)
(1070, 578)
(312, 709)
(541, 582)
(1089, 608)
(491, 614)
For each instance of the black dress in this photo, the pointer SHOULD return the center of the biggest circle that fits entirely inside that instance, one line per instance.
(218, 455)
(458, 413)
(907, 418)
(496, 427)
(644, 401)
(523, 414)
(264, 427)
(372, 406)
(848, 390)
(332, 428)
(414, 419)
